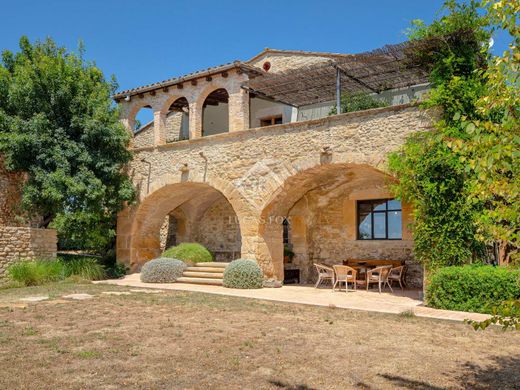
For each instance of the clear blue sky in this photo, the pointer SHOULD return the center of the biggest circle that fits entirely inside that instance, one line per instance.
(147, 41)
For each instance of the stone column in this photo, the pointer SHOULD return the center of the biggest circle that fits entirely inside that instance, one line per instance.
(238, 109)
(195, 120)
(159, 128)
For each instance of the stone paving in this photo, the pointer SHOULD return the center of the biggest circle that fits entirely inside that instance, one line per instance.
(394, 303)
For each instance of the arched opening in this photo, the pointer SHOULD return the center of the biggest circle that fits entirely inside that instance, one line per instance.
(184, 212)
(215, 113)
(177, 121)
(317, 214)
(142, 119)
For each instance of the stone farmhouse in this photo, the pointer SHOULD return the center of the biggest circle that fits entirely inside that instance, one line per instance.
(246, 159)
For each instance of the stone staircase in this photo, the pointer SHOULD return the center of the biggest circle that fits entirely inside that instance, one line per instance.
(204, 273)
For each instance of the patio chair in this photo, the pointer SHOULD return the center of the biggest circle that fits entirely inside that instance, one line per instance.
(379, 275)
(344, 274)
(324, 273)
(397, 275)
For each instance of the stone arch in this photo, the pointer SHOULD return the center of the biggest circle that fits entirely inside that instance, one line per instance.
(294, 190)
(168, 193)
(175, 118)
(132, 114)
(215, 112)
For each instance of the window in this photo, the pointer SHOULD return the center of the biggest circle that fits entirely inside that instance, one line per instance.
(272, 120)
(379, 219)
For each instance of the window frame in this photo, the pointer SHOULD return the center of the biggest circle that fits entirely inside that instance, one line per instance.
(372, 212)
(272, 119)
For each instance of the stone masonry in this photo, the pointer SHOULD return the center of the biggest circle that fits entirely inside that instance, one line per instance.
(267, 174)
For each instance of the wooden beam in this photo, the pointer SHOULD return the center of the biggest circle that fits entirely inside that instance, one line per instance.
(141, 95)
(209, 78)
(152, 92)
(165, 89)
(194, 82)
(224, 74)
(180, 86)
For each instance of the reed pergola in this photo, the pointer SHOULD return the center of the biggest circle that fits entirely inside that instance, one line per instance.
(372, 72)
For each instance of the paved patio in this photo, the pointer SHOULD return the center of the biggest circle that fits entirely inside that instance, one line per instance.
(407, 301)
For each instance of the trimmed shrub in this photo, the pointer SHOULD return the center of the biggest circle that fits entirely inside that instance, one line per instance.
(189, 252)
(162, 270)
(243, 273)
(475, 288)
(86, 268)
(36, 272)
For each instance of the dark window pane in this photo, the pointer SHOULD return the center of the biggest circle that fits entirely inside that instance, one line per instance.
(278, 121)
(364, 207)
(394, 204)
(394, 225)
(379, 225)
(379, 205)
(365, 226)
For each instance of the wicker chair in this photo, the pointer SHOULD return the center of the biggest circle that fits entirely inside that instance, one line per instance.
(324, 273)
(379, 275)
(344, 274)
(397, 275)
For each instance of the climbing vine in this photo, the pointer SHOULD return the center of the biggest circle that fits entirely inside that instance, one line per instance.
(436, 170)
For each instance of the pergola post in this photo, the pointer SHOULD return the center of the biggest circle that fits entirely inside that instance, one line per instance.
(338, 91)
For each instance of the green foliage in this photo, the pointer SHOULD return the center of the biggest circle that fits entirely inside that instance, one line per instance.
(34, 273)
(58, 124)
(41, 271)
(476, 288)
(243, 273)
(506, 315)
(189, 252)
(87, 268)
(358, 102)
(432, 177)
(162, 270)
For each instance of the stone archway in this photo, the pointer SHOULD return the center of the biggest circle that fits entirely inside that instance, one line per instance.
(139, 226)
(320, 203)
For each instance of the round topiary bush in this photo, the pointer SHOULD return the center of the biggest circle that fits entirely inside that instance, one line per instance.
(162, 270)
(189, 252)
(243, 273)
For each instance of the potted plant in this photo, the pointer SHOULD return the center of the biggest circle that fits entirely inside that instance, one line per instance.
(288, 254)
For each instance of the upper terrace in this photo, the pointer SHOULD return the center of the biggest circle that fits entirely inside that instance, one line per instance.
(274, 87)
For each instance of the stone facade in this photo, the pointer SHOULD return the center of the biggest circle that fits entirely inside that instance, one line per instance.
(268, 174)
(18, 240)
(25, 243)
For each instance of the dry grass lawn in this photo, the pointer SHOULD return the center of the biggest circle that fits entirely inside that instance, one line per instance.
(182, 340)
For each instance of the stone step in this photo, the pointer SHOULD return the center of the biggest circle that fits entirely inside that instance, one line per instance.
(205, 269)
(214, 282)
(213, 264)
(211, 275)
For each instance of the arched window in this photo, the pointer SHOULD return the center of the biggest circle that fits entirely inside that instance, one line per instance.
(143, 118)
(177, 121)
(215, 113)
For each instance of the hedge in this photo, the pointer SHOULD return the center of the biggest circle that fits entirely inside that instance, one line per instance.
(162, 270)
(475, 288)
(189, 252)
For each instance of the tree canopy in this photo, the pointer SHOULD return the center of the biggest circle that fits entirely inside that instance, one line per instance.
(59, 125)
(461, 177)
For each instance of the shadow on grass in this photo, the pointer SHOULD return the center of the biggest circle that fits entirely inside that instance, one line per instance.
(501, 373)
(409, 383)
(287, 386)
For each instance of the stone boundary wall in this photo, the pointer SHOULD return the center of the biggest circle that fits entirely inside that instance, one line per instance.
(25, 243)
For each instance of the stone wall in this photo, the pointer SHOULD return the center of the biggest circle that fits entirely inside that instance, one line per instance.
(10, 195)
(25, 243)
(264, 172)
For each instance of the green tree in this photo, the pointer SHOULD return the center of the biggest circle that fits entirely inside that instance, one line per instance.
(491, 150)
(432, 177)
(59, 126)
